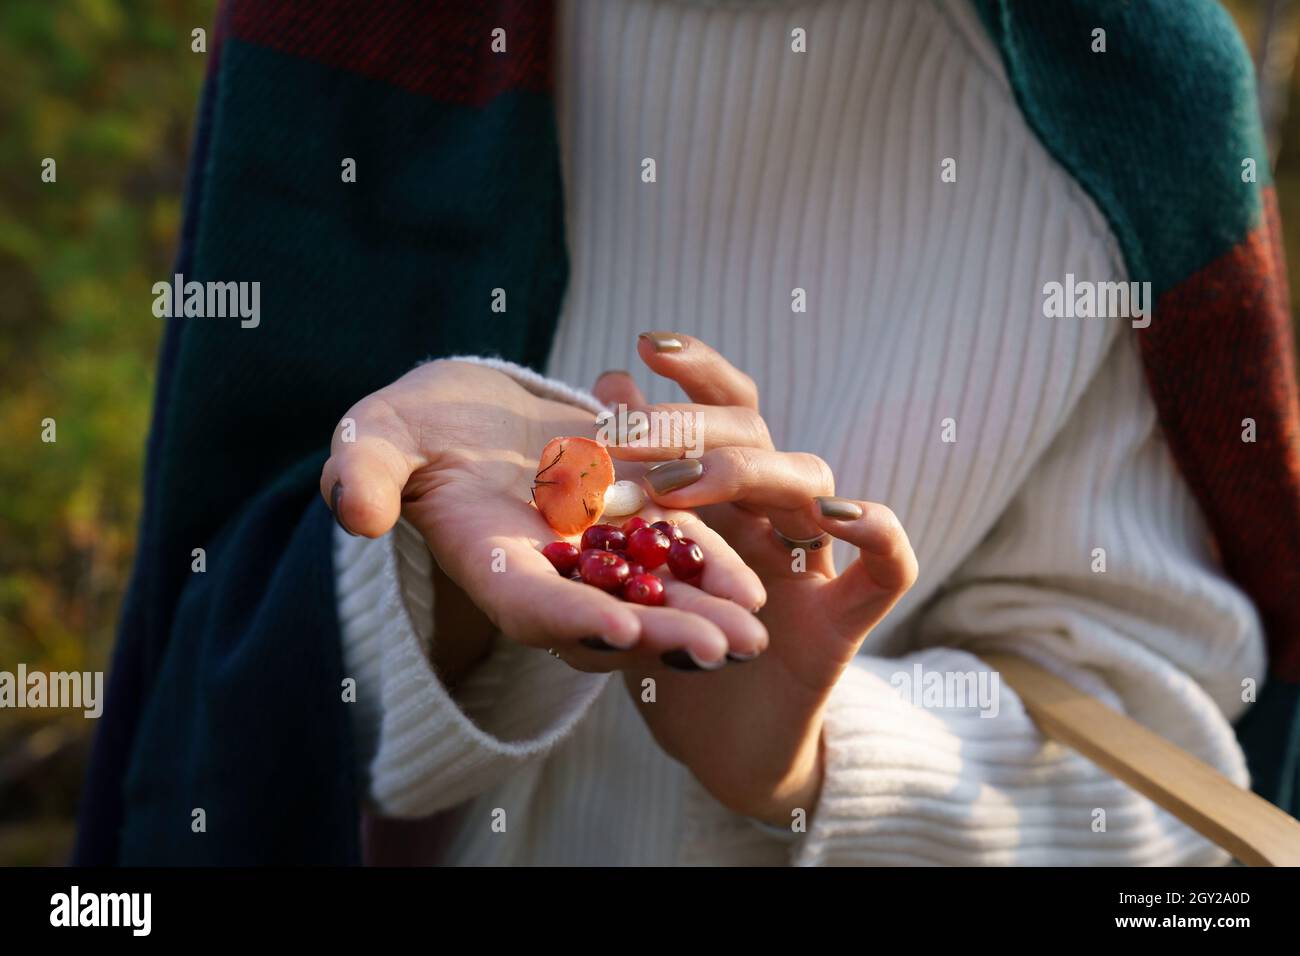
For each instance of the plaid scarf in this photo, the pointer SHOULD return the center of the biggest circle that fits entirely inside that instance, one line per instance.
(225, 687)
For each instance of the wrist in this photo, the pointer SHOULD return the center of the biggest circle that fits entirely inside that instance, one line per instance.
(797, 792)
(463, 636)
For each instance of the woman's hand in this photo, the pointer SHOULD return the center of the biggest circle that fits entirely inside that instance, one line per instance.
(751, 735)
(454, 447)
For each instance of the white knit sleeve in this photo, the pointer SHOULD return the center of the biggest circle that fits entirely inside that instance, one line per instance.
(420, 750)
(1100, 571)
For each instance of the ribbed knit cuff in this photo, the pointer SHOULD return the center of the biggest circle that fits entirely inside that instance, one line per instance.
(908, 781)
(536, 383)
(424, 750)
(716, 836)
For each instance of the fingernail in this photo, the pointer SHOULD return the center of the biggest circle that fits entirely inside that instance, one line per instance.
(839, 508)
(663, 341)
(672, 475)
(684, 660)
(741, 658)
(613, 371)
(336, 494)
(598, 644)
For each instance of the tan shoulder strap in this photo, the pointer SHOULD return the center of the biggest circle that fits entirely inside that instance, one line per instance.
(1247, 826)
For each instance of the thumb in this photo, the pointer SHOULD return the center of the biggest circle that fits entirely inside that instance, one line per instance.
(363, 480)
(616, 387)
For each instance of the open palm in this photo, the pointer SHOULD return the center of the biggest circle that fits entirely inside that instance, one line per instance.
(454, 447)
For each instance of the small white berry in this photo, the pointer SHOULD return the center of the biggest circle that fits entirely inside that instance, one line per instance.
(624, 498)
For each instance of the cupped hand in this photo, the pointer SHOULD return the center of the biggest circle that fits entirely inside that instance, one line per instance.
(752, 735)
(454, 447)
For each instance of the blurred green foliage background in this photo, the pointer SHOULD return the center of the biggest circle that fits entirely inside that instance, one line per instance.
(108, 88)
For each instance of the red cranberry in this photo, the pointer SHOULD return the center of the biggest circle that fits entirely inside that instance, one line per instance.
(633, 523)
(604, 537)
(685, 559)
(633, 569)
(604, 569)
(563, 556)
(649, 546)
(667, 527)
(644, 589)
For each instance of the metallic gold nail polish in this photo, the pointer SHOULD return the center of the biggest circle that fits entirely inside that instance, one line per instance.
(663, 341)
(672, 475)
(839, 508)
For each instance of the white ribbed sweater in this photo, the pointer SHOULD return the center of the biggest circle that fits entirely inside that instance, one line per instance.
(820, 170)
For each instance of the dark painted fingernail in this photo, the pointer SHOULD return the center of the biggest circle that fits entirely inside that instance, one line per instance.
(598, 644)
(680, 661)
(839, 508)
(684, 660)
(741, 658)
(336, 494)
(672, 475)
(663, 341)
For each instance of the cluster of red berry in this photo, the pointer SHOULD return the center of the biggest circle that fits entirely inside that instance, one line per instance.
(620, 560)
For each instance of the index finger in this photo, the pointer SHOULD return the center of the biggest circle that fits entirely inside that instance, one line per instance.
(701, 371)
